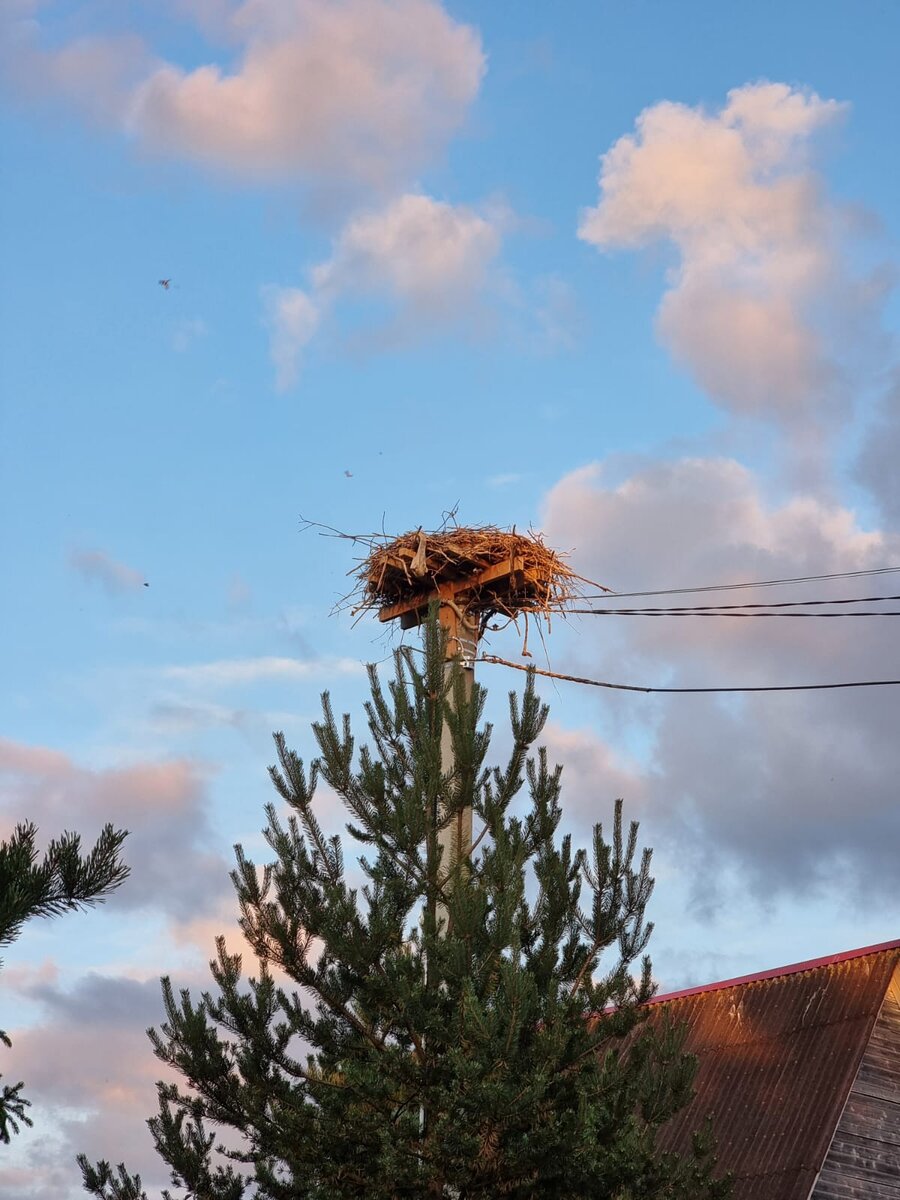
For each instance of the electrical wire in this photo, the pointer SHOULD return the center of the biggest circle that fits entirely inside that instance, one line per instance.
(727, 610)
(714, 612)
(757, 604)
(725, 587)
(628, 687)
(748, 610)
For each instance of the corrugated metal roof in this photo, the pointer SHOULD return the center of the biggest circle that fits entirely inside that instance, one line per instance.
(775, 972)
(777, 1054)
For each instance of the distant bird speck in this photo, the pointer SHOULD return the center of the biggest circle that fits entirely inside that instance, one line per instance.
(349, 474)
(146, 585)
(164, 283)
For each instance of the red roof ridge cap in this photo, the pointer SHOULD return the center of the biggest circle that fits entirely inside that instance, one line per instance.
(829, 960)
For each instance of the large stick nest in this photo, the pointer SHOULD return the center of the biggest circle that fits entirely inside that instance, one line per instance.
(417, 564)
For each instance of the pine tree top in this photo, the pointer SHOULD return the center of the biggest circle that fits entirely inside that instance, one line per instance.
(429, 1029)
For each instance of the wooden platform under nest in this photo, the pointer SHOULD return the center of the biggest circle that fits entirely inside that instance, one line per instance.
(485, 571)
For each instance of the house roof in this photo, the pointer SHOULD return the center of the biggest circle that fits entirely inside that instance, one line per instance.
(777, 1055)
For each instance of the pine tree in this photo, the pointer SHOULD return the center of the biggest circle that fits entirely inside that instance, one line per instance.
(61, 882)
(488, 1055)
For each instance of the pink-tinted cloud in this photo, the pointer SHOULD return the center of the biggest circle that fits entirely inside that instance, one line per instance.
(90, 1074)
(96, 566)
(420, 250)
(97, 74)
(360, 92)
(176, 862)
(431, 261)
(201, 934)
(594, 777)
(760, 305)
(797, 790)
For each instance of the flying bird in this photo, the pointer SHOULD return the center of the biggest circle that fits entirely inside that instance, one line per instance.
(349, 474)
(164, 283)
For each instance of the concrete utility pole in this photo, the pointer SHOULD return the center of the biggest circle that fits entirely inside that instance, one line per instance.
(462, 647)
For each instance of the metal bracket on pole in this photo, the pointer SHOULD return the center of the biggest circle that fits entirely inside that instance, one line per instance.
(468, 651)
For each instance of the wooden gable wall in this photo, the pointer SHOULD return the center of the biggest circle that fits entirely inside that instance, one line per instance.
(863, 1160)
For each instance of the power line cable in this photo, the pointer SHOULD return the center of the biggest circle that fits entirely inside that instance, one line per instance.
(628, 687)
(722, 607)
(748, 610)
(725, 587)
(715, 612)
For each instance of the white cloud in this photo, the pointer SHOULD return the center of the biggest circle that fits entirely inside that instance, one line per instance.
(234, 672)
(293, 318)
(760, 305)
(797, 789)
(431, 260)
(359, 92)
(420, 250)
(96, 566)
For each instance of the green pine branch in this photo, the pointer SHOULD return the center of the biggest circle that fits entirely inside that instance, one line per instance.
(62, 881)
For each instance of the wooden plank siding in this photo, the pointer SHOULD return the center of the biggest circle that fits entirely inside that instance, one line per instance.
(863, 1160)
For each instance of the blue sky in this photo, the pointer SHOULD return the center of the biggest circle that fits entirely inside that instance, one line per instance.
(395, 251)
